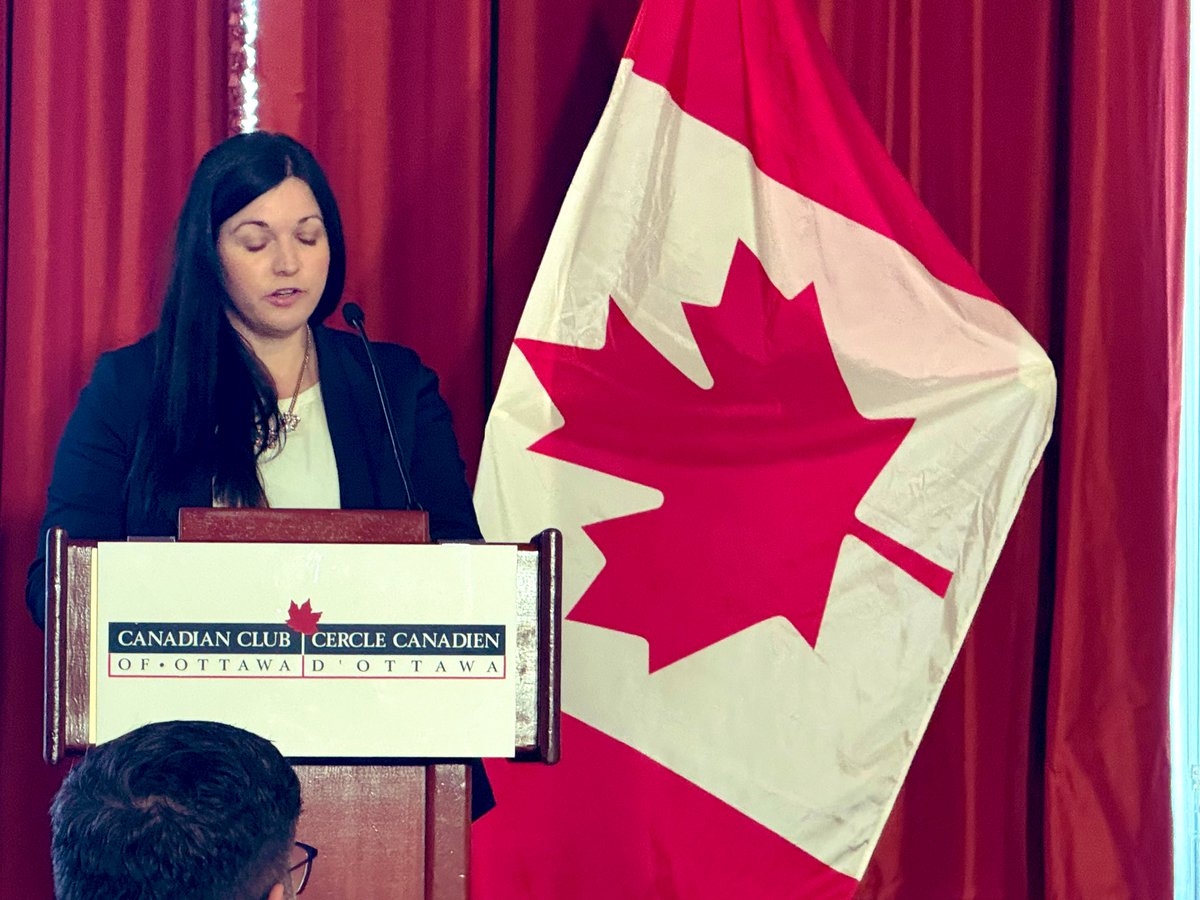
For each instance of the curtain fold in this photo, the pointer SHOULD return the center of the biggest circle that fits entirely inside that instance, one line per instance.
(555, 64)
(112, 104)
(1108, 817)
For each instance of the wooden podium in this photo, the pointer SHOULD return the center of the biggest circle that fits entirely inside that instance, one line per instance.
(384, 827)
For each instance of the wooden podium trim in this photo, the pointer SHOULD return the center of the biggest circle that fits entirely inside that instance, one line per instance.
(317, 526)
(54, 671)
(549, 644)
(548, 546)
(67, 679)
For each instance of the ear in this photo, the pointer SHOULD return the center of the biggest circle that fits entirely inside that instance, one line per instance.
(276, 893)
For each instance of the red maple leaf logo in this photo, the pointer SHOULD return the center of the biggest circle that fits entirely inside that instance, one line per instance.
(302, 618)
(760, 474)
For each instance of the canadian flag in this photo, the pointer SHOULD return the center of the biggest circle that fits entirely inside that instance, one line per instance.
(785, 429)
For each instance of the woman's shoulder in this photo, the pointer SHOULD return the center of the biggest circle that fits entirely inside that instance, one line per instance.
(128, 366)
(395, 359)
(134, 357)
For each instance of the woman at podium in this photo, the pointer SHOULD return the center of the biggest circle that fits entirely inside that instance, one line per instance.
(241, 397)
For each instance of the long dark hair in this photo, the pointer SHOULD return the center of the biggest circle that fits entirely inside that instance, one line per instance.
(211, 398)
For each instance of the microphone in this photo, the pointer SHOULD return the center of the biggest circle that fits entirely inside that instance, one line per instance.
(353, 315)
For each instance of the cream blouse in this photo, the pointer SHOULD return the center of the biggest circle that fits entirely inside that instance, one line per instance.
(302, 472)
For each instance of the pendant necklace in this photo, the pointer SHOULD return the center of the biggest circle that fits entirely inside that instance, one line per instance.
(289, 420)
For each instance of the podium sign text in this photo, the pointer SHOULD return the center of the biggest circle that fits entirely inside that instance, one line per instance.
(326, 649)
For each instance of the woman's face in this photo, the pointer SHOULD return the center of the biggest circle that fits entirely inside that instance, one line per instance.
(275, 258)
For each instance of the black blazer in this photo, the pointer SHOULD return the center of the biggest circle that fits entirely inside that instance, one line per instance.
(92, 497)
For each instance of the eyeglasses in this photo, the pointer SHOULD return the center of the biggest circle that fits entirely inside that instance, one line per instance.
(310, 853)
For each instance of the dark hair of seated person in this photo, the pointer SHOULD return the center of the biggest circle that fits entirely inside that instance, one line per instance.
(194, 810)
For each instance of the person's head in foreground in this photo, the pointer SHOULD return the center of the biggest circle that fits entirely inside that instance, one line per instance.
(191, 810)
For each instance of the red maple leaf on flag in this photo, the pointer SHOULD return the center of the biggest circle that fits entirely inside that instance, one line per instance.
(302, 619)
(761, 474)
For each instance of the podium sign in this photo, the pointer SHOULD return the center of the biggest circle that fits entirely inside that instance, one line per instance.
(330, 650)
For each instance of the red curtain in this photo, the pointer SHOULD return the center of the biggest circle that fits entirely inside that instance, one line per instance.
(112, 104)
(555, 63)
(393, 98)
(1046, 138)
(1107, 820)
